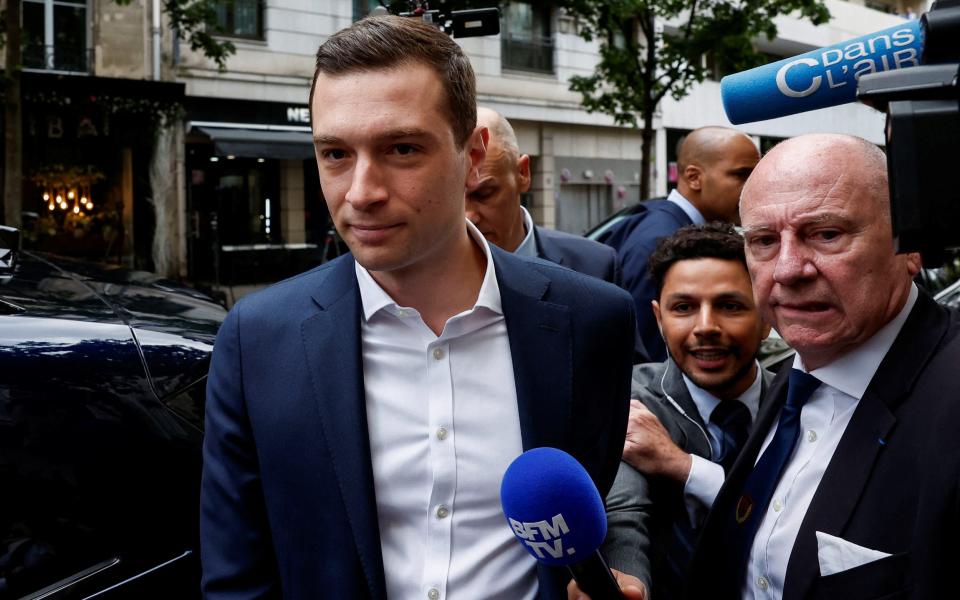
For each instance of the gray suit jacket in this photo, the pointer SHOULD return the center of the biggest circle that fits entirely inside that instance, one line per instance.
(641, 510)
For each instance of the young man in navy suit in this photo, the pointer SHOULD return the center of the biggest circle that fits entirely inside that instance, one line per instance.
(360, 416)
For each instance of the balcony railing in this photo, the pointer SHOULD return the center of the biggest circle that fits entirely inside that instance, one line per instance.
(526, 53)
(64, 58)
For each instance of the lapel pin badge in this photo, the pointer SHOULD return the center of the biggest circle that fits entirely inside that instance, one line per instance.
(744, 508)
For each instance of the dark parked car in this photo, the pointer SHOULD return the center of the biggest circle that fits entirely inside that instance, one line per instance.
(102, 375)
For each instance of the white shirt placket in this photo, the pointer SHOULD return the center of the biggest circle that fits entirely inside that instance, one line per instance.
(442, 467)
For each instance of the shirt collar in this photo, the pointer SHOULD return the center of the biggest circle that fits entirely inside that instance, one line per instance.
(706, 401)
(528, 247)
(852, 372)
(691, 210)
(374, 298)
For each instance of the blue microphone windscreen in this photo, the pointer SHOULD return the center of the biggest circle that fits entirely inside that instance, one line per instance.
(553, 507)
(820, 78)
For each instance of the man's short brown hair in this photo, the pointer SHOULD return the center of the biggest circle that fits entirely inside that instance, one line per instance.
(384, 42)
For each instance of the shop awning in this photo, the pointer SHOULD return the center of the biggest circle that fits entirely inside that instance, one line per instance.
(260, 143)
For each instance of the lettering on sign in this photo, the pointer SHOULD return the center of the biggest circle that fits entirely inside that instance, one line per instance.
(837, 74)
(298, 115)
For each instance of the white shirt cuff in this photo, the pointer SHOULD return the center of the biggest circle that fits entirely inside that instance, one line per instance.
(700, 490)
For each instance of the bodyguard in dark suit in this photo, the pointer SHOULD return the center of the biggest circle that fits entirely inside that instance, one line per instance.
(691, 414)
(359, 416)
(713, 163)
(848, 487)
(494, 207)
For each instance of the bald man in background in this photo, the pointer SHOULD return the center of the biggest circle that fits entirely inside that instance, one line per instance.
(713, 164)
(494, 207)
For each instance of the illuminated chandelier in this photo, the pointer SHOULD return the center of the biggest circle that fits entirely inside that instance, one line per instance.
(67, 188)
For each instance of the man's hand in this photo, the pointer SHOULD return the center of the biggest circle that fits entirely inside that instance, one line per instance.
(632, 588)
(649, 449)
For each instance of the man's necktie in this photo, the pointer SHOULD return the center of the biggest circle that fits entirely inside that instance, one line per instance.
(733, 419)
(745, 518)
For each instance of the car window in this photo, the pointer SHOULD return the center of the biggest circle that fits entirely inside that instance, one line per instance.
(92, 465)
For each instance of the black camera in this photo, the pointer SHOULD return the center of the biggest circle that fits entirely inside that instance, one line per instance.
(472, 22)
(923, 138)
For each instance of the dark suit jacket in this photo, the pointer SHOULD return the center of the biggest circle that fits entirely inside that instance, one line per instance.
(635, 239)
(287, 497)
(578, 253)
(587, 257)
(641, 511)
(892, 484)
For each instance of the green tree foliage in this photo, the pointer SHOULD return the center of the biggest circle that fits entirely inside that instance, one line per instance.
(196, 22)
(651, 48)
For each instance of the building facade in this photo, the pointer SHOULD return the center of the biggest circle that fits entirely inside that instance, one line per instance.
(234, 198)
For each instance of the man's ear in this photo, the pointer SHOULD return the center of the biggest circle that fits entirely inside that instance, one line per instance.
(656, 312)
(764, 329)
(476, 152)
(523, 173)
(694, 176)
(914, 263)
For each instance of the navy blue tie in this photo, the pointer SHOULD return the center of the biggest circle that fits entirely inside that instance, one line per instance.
(746, 516)
(732, 417)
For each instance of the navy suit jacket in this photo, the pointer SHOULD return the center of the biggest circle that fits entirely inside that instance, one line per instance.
(892, 485)
(578, 253)
(635, 239)
(287, 497)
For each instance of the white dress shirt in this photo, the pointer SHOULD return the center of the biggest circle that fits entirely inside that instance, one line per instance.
(528, 247)
(691, 210)
(823, 420)
(706, 477)
(443, 424)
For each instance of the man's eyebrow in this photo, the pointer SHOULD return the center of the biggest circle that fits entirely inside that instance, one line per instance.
(390, 135)
(679, 296)
(412, 132)
(744, 231)
(732, 295)
(326, 140)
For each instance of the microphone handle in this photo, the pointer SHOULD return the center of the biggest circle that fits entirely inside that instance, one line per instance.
(594, 577)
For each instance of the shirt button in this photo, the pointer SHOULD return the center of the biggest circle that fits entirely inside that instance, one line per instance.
(442, 511)
(442, 433)
(811, 436)
(777, 506)
(433, 593)
(438, 353)
(762, 583)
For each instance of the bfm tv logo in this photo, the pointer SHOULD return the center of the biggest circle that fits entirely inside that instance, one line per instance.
(544, 536)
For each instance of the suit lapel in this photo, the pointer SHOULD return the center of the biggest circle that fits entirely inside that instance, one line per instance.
(331, 342)
(546, 248)
(541, 349)
(865, 436)
(676, 388)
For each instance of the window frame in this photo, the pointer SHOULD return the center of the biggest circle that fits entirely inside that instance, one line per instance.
(230, 7)
(49, 46)
(544, 43)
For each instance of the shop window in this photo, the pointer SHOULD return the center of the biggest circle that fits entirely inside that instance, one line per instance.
(55, 35)
(240, 18)
(580, 207)
(526, 40)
